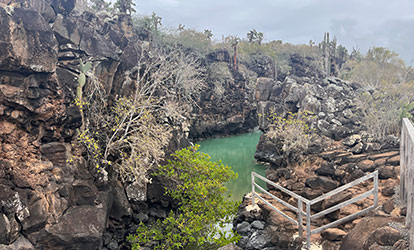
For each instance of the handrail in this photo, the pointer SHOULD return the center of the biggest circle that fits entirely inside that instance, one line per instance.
(342, 188)
(294, 195)
(308, 216)
(342, 204)
(299, 210)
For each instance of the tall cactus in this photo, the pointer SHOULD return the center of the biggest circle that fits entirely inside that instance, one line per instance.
(326, 52)
(84, 68)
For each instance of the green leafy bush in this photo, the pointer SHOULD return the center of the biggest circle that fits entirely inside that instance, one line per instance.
(203, 204)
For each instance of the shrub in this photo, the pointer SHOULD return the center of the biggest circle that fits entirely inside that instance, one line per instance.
(203, 205)
(383, 108)
(388, 90)
(128, 134)
(293, 133)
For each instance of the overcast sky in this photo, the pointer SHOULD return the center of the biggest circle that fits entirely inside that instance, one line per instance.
(355, 23)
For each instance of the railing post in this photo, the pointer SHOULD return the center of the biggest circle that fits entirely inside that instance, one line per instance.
(300, 220)
(308, 225)
(376, 188)
(253, 190)
(403, 162)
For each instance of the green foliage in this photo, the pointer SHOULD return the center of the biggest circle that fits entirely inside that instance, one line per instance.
(125, 6)
(254, 36)
(99, 5)
(280, 53)
(377, 68)
(383, 108)
(187, 39)
(84, 68)
(293, 132)
(203, 205)
(389, 89)
(149, 23)
(208, 34)
(155, 21)
(406, 110)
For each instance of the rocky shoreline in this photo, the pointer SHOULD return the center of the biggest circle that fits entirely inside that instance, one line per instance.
(343, 153)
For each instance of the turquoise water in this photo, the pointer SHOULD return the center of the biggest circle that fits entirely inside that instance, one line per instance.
(238, 152)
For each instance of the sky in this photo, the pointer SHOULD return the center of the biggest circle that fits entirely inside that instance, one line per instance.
(355, 23)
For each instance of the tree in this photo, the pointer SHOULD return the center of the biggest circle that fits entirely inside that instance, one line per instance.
(155, 21)
(197, 185)
(125, 6)
(378, 67)
(181, 27)
(234, 42)
(208, 34)
(254, 36)
(99, 5)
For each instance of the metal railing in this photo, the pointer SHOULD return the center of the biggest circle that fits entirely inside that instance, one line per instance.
(308, 203)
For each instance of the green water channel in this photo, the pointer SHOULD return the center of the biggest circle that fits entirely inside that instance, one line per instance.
(238, 152)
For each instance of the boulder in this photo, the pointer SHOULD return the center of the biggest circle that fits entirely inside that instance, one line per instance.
(333, 234)
(230, 247)
(78, 31)
(358, 148)
(44, 8)
(336, 199)
(74, 231)
(352, 140)
(383, 236)
(258, 224)
(356, 238)
(327, 169)
(136, 191)
(63, 6)
(259, 240)
(401, 245)
(121, 206)
(394, 161)
(38, 215)
(244, 228)
(388, 191)
(366, 165)
(388, 206)
(321, 182)
(27, 42)
(264, 88)
(20, 244)
(386, 172)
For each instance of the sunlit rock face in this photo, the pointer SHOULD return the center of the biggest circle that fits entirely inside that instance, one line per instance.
(49, 201)
(331, 100)
(50, 198)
